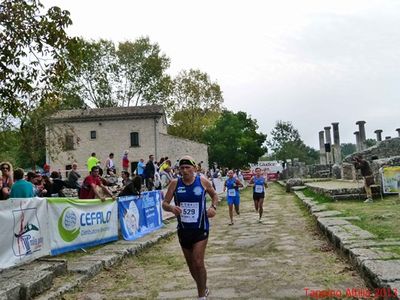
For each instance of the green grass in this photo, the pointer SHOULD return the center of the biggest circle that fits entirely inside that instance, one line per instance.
(379, 218)
(317, 197)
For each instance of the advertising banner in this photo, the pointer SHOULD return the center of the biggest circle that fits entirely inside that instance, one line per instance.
(81, 223)
(391, 180)
(140, 215)
(24, 231)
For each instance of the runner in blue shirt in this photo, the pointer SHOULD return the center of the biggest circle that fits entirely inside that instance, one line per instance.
(232, 184)
(260, 184)
(189, 193)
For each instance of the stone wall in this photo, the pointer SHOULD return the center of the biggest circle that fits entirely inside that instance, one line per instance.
(384, 149)
(319, 171)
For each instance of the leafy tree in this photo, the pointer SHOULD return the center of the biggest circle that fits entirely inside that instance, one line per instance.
(286, 143)
(347, 149)
(234, 141)
(128, 75)
(196, 103)
(370, 142)
(32, 46)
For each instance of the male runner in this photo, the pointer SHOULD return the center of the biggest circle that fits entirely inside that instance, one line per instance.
(189, 193)
(259, 191)
(233, 195)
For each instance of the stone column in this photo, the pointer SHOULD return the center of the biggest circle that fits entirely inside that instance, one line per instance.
(361, 130)
(336, 140)
(328, 140)
(322, 154)
(398, 131)
(378, 135)
(357, 134)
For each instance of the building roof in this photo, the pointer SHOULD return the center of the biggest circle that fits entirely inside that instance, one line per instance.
(108, 113)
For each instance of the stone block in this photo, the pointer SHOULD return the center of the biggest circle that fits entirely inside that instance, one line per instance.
(10, 289)
(382, 271)
(328, 213)
(318, 208)
(85, 266)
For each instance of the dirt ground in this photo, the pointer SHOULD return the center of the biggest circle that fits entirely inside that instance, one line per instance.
(282, 258)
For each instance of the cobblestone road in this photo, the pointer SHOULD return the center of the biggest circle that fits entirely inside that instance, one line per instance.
(277, 259)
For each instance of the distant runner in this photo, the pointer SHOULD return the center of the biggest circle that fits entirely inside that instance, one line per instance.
(232, 184)
(189, 193)
(259, 191)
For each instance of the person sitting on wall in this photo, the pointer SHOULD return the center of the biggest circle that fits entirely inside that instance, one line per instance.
(21, 188)
(133, 187)
(6, 180)
(93, 188)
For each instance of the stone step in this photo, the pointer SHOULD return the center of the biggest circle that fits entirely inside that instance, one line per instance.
(30, 280)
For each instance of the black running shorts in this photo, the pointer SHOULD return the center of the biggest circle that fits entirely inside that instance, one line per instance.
(258, 196)
(189, 237)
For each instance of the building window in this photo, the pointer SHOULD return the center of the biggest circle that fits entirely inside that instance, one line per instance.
(134, 139)
(69, 142)
(93, 135)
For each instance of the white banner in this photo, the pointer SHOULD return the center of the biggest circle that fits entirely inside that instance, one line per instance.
(24, 231)
(80, 223)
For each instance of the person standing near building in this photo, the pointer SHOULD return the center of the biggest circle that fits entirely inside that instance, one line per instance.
(125, 161)
(232, 184)
(189, 193)
(366, 172)
(110, 166)
(140, 169)
(92, 161)
(260, 184)
(73, 177)
(150, 170)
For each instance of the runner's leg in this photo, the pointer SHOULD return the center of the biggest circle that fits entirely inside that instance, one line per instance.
(260, 206)
(195, 261)
(231, 212)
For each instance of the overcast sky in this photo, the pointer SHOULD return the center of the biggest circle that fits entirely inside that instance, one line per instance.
(308, 62)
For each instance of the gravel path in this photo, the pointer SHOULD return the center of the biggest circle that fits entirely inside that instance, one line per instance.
(277, 259)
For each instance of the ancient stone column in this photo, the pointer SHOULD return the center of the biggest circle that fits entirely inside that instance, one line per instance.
(361, 130)
(398, 131)
(378, 135)
(322, 154)
(328, 140)
(336, 140)
(357, 134)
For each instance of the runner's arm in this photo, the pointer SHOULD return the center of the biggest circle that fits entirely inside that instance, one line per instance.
(176, 210)
(238, 183)
(212, 210)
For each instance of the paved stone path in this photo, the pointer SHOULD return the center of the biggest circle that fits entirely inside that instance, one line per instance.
(277, 259)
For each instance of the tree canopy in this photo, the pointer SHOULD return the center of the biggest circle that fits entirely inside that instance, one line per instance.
(33, 45)
(234, 141)
(285, 143)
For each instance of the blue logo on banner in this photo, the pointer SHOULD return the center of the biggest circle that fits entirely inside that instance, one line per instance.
(140, 215)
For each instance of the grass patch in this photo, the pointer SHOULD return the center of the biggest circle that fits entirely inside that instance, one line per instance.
(317, 197)
(379, 218)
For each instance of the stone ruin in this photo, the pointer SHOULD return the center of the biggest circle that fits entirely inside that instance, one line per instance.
(385, 153)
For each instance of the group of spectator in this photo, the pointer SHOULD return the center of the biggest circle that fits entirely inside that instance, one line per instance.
(150, 175)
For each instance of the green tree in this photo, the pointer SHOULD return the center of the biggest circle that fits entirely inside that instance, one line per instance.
(130, 74)
(285, 143)
(196, 103)
(370, 142)
(32, 48)
(234, 141)
(347, 149)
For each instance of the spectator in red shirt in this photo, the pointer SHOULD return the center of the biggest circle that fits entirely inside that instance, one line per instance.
(125, 161)
(92, 187)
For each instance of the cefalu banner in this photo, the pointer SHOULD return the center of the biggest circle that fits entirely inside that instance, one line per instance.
(140, 215)
(391, 180)
(81, 223)
(24, 231)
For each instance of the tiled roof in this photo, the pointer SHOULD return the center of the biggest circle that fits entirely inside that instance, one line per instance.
(109, 113)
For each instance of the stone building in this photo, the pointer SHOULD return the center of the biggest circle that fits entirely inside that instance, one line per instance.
(72, 135)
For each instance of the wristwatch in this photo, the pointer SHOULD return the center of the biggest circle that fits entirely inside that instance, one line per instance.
(213, 206)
